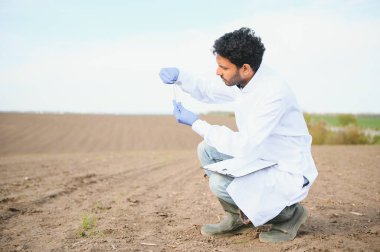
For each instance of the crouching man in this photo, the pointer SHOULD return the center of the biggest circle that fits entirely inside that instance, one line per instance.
(270, 150)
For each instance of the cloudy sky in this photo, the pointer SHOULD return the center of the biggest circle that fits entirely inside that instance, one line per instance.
(104, 56)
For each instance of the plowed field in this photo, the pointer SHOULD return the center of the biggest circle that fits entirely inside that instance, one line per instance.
(133, 183)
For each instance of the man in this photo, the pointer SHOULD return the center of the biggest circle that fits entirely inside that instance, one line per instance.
(271, 127)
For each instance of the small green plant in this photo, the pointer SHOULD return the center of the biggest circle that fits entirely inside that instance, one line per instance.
(88, 223)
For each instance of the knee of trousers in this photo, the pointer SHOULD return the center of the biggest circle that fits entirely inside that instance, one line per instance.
(218, 185)
(202, 150)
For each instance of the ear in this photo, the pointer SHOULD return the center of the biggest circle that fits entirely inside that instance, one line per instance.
(246, 69)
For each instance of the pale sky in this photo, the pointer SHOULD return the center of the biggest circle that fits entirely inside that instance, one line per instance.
(104, 56)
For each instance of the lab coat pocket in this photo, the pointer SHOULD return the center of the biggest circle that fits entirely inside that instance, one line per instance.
(289, 184)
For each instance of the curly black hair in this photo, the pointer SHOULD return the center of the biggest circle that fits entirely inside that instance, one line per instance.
(241, 47)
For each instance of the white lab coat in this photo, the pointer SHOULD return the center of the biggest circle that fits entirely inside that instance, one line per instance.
(270, 127)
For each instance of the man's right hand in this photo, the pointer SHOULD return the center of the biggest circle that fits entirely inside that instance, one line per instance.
(169, 75)
(183, 115)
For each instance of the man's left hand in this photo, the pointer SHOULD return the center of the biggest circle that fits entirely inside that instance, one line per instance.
(183, 115)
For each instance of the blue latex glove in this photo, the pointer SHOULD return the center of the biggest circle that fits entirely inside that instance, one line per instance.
(183, 115)
(169, 75)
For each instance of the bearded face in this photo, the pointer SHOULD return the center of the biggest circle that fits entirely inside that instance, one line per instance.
(228, 72)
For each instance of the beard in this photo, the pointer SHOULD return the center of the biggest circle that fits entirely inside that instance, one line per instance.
(235, 80)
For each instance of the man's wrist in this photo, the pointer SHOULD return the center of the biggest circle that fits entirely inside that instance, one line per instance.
(180, 77)
(201, 127)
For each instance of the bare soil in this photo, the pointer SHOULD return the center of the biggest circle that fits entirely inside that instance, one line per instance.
(133, 183)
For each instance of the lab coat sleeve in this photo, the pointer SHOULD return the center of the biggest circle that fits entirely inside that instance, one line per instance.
(261, 123)
(211, 91)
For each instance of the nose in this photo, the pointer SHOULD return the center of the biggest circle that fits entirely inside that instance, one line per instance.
(218, 71)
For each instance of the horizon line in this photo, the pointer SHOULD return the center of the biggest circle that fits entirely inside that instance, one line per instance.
(162, 113)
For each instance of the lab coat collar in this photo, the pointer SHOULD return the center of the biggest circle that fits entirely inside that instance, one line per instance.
(249, 87)
(255, 81)
(251, 84)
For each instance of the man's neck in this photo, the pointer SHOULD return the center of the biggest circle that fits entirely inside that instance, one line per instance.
(241, 86)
